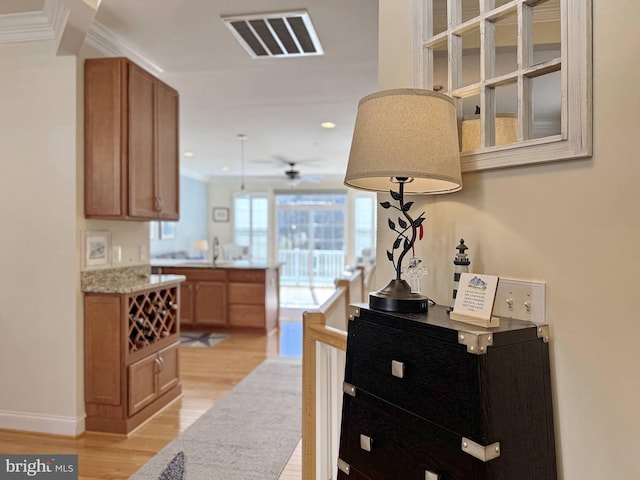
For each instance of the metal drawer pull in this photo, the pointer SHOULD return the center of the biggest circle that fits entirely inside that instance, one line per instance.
(343, 466)
(397, 369)
(431, 476)
(366, 443)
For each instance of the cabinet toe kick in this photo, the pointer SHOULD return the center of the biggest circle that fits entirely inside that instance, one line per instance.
(481, 452)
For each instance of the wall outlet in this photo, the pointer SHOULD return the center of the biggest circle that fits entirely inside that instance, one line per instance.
(117, 254)
(143, 253)
(521, 299)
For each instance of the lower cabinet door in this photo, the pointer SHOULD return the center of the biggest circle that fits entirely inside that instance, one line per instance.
(168, 375)
(211, 303)
(381, 441)
(143, 383)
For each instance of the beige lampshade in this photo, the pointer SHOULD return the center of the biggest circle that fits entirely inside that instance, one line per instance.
(506, 130)
(405, 133)
(202, 245)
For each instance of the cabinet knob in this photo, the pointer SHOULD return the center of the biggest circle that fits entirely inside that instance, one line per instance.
(397, 369)
(366, 443)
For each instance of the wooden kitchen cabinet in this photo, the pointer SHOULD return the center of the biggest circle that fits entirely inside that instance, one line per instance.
(229, 298)
(131, 143)
(253, 302)
(152, 377)
(204, 297)
(131, 356)
(210, 303)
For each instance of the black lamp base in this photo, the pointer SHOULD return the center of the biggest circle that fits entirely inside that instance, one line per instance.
(397, 296)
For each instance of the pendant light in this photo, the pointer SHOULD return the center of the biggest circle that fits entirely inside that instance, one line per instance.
(242, 137)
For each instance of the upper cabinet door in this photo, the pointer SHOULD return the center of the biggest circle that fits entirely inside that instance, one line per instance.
(142, 162)
(105, 145)
(168, 173)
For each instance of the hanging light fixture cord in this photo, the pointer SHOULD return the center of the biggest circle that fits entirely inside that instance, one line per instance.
(242, 137)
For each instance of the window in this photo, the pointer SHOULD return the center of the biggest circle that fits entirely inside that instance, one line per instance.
(519, 72)
(311, 237)
(251, 224)
(365, 229)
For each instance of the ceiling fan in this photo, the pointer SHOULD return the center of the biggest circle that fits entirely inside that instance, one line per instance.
(294, 178)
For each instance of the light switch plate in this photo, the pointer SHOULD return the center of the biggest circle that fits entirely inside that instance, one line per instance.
(521, 299)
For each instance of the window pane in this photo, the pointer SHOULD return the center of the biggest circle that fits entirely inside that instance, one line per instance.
(506, 121)
(470, 128)
(440, 66)
(251, 221)
(546, 31)
(506, 44)
(439, 18)
(365, 229)
(470, 9)
(471, 57)
(547, 101)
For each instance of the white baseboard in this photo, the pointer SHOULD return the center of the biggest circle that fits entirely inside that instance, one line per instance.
(51, 424)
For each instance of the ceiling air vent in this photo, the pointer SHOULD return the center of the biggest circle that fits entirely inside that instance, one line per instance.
(283, 34)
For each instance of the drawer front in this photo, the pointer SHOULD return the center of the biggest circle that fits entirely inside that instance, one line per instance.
(246, 293)
(381, 441)
(246, 316)
(246, 276)
(433, 379)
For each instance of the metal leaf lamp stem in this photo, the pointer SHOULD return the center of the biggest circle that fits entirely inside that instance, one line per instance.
(411, 224)
(397, 296)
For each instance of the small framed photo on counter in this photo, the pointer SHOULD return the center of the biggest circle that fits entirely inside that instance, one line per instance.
(97, 245)
(220, 214)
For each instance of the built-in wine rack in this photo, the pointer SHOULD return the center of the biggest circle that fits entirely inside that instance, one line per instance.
(153, 316)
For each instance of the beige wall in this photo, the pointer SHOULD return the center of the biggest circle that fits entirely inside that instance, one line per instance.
(39, 347)
(41, 133)
(573, 225)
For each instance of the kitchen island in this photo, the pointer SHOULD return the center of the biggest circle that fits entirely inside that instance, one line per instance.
(238, 295)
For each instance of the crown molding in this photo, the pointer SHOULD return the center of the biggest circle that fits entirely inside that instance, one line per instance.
(104, 41)
(45, 24)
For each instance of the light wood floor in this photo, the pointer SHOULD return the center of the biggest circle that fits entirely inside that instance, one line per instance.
(207, 375)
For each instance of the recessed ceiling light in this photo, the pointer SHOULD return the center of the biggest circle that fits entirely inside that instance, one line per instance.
(188, 154)
(225, 169)
(328, 125)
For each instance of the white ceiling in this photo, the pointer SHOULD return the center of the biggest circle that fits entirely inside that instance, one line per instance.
(279, 103)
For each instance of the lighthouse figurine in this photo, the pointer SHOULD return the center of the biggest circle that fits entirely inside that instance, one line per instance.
(462, 263)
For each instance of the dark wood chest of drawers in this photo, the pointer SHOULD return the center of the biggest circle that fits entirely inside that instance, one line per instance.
(427, 398)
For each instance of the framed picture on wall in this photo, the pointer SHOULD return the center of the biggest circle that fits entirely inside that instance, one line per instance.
(97, 245)
(220, 214)
(167, 230)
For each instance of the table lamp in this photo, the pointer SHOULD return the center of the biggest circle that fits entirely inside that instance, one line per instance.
(405, 141)
(202, 246)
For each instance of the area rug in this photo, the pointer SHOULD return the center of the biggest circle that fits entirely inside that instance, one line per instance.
(199, 339)
(248, 435)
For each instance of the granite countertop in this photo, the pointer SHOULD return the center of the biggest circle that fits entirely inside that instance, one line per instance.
(186, 263)
(125, 280)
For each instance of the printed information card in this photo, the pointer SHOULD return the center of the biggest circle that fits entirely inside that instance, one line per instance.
(474, 300)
